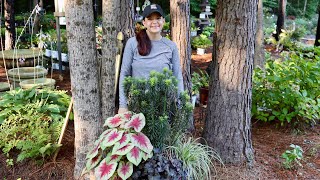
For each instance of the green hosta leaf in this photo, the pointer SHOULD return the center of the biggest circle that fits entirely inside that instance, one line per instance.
(123, 150)
(125, 169)
(105, 170)
(135, 156)
(113, 122)
(111, 138)
(141, 141)
(93, 161)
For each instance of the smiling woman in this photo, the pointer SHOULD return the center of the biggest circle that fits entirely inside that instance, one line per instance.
(149, 51)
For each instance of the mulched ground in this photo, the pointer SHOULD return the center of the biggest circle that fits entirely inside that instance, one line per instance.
(269, 142)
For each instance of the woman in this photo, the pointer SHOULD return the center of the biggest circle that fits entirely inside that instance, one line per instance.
(148, 51)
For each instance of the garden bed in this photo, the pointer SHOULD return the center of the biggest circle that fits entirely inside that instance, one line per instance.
(269, 142)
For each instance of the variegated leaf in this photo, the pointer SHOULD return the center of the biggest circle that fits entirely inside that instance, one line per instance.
(92, 153)
(123, 150)
(135, 156)
(114, 121)
(113, 137)
(146, 156)
(112, 157)
(123, 141)
(141, 141)
(94, 161)
(125, 169)
(137, 122)
(105, 170)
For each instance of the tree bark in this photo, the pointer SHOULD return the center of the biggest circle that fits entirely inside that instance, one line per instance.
(36, 28)
(259, 41)
(10, 32)
(180, 34)
(228, 123)
(305, 7)
(84, 78)
(117, 17)
(281, 18)
(317, 43)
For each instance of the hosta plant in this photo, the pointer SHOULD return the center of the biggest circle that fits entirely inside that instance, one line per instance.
(119, 147)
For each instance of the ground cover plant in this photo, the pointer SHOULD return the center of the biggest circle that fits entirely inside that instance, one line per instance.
(31, 121)
(288, 90)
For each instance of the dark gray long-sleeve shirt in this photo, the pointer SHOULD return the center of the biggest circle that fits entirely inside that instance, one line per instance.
(164, 53)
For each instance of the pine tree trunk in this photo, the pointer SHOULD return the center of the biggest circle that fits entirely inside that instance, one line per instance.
(10, 32)
(117, 17)
(180, 34)
(281, 17)
(228, 123)
(317, 43)
(84, 78)
(259, 41)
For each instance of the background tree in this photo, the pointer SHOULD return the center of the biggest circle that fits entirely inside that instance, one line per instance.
(10, 32)
(117, 17)
(37, 17)
(259, 46)
(228, 123)
(84, 78)
(317, 43)
(281, 17)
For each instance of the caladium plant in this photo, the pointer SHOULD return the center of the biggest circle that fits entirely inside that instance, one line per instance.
(124, 145)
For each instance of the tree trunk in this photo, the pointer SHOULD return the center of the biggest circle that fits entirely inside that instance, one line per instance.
(36, 28)
(281, 17)
(259, 41)
(228, 123)
(305, 7)
(84, 78)
(10, 32)
(317, 43)
(117, 17)
(180, 34)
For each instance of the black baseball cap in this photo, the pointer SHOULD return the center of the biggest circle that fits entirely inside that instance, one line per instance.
(151, 9)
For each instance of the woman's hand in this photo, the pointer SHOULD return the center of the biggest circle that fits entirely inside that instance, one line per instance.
(122, 110)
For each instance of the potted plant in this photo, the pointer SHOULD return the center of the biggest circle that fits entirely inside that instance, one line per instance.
(194, 29)
(200, 85)
(201, 43)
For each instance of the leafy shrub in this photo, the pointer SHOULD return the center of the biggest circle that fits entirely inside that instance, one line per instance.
(157, 98)
(208, 30)
(288, 91)
(201, 41)
(199, 80)
(292, 156)
(31, 120)
(196, 157)
(122, 144)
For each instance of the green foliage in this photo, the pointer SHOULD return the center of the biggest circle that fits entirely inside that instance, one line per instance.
(208, 30)
(47, 22)
(31, 120)
(195, 9)
(199, 80)
(166, 26)
(288, 90)
(292, 156)
(201, 41)
(196, 157)
(157, 98)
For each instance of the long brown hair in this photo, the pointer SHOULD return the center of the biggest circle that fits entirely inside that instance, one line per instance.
(144, 42)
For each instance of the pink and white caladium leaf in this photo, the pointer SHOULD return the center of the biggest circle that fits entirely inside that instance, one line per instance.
(115, 177)
(146, 156)
(112, 157)
(92, 153)
(105, 170)
(123, 141)
(135, 156)
(125, 169)
(104, 134)
(127, 116)
(123, 150)
(141, 141)
(114, 121)
(111, 138)
(137, 122)
(94, 161)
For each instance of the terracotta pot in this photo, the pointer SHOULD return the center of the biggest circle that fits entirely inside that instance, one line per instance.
(204, 94)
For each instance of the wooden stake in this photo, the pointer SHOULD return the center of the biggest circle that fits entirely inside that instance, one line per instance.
(64, 127)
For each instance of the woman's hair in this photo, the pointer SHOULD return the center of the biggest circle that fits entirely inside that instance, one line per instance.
(144, 42)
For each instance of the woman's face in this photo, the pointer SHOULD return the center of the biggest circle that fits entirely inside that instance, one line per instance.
(153, 23)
